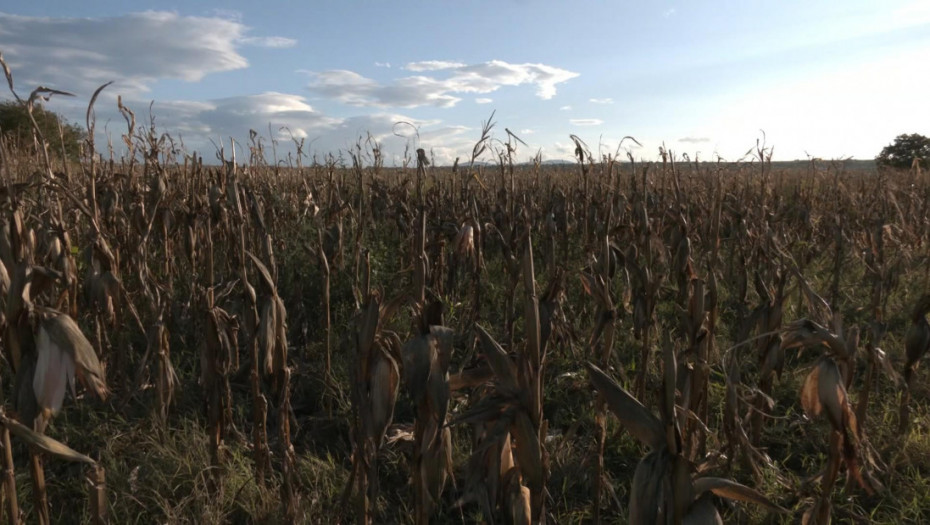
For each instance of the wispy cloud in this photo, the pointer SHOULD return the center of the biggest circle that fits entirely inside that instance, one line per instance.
(601, 100)
(275, 42)
(432, 65)
(586, 121)
(669, 12)
(354, 89)
(527, 131)
(227, 14)
(383, 64)
(694, 140)
(565, 108)
(483, 100)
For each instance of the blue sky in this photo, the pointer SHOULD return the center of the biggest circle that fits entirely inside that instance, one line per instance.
(826, 79)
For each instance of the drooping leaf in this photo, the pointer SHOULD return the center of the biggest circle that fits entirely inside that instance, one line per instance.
(730, 489)
(48, 445)
(504, 369)
(638, 420)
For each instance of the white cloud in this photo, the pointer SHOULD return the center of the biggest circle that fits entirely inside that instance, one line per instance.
(601, 100)
(274, 42)
(565, 108)
(527, 131)
(351, 88)
(669, 12)
(234, 116)
(432, 65)
(483, 100)
(135, 50)
(354, 89)
(586, 121)
(560, 150)
(383, 64)
(491, 75)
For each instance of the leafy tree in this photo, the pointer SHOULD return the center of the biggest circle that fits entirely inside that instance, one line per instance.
(902, 152)
(15, 126)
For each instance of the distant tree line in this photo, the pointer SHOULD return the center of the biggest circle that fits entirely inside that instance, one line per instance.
(15, 128)
(904, 151)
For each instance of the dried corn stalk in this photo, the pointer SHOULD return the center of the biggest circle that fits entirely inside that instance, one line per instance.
(374, 393)
(664, 489)
(426, 360)
(824, 392)
(215, 360)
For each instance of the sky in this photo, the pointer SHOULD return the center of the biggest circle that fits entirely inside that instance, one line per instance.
(827, 79)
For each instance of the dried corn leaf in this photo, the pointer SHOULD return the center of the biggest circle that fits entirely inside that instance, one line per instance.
(638, 420)
(267, 333)
(528, 452)
(385, 379)
(651, 493)
(54, 373)
(280, 344)
(810, 399)
(702, 512)
(61, 331)
(443, 336)
(730, 489)
(417, 356)
(438, 386)
(516, 498)
(263, 271)
(504, 369)
(833, 397)
(471, 377)
(48, 445)
(807, 333)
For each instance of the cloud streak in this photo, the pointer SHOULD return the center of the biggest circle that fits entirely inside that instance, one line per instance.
(274, 42)
(432, 65)
(694, 140)
(586, 121)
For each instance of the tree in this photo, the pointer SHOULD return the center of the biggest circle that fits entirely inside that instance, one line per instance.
(15, 126)
(902, 152)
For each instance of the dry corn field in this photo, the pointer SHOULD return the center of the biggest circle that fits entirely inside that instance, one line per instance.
(335, 341)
